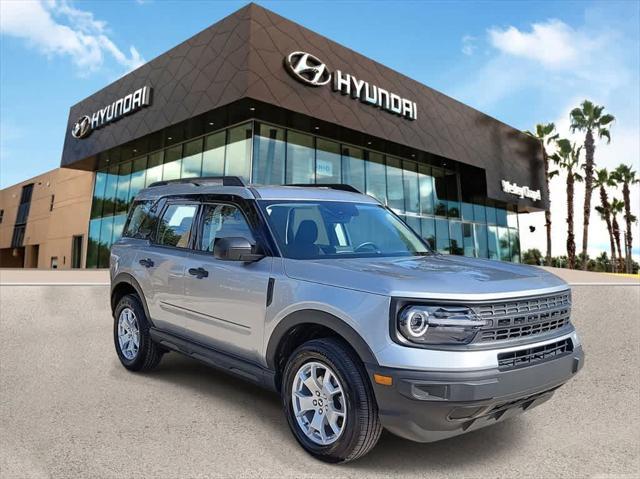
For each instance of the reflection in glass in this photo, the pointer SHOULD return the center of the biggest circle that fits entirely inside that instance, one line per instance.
(172, 160)
(122, 192)
(493, 243)
(514, 244)
(137, 178)
(154, 168)
(467, 211)
(440, 192)
(468, 240)
(479, 214)
(327, 161)
(98, 194)
(501, 217)
(429, 231)
(426, 189)
(192, 161)
(414, 223)
(238, 154)
(213, 156)
(456, 243)
(268, 155)
(110, 191)
(300, 158)
(118, 226)
(93, 243)
(480, 235)
(376, 177)
(505, 249)
(395, 188)
(491, 215)
(106, 232)
(410, 185)
(353, 167)
(442, 236)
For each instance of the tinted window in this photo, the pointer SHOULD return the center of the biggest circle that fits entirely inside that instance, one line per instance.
(222, 221)
(139, 220)
(174, 228)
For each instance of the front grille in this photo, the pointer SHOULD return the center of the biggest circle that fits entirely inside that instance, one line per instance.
(529, 356)
(523, 317)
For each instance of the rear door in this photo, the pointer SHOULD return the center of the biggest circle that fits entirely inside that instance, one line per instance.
(227, 299)
(161, 265)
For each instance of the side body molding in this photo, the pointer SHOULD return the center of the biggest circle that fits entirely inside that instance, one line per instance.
(321, 318)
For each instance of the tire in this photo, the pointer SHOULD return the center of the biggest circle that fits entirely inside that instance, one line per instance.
(360, 429)
(148, 353)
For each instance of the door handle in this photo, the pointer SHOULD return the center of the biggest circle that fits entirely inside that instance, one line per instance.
(146, 262)
(199, 272)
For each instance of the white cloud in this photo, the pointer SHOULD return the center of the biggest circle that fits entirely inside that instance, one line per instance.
(58, 28)
(469, 45)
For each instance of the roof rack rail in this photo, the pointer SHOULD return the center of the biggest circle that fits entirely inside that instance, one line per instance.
(205, 180)
(333, 186)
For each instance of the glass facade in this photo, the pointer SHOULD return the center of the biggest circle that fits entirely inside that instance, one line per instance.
(427, 197)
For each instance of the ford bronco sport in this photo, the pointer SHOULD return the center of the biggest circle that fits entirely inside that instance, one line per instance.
(327, 297)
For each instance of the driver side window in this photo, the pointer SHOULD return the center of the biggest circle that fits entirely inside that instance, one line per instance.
(222, 221)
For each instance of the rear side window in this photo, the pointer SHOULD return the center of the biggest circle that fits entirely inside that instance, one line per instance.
(174, 228)
(140, 221)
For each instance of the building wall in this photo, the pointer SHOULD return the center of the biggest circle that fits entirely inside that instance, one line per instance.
(49, 231)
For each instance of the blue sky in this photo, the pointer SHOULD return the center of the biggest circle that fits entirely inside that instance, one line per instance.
(521, 62)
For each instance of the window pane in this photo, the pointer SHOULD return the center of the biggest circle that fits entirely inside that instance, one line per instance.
(137, 177)
(154, 168)
(429, 231)
(468, 240)
(376, 177)
(300, 158)
(327, 161)
(410, 185)
(491, 215)
(514, 244)
(501, 217)
(93, 243)
(493, 244)
(505, 251)
(238, 155)
(395, 187)
(479, 214)
(439, 192)
(455, 229)
(192, 161)
(213, 156)
(353, 167)
(268, 155)
(122, 193)
(442, 236)
(426, 189)
(118, 225)
(480, 236)
(453, 199)
(172, 160)
(512, 219)
(106, 231)
(98, 194)
(414, 223)
(139, 216)
(174, 228)
(222, 221)
(110, 191)
(467, 211)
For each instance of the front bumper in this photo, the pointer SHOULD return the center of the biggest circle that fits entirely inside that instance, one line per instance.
(427, 406)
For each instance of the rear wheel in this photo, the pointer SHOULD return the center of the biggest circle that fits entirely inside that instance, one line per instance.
(134, 346)
(328, 401)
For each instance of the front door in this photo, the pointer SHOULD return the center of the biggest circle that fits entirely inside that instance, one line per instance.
(227, 299)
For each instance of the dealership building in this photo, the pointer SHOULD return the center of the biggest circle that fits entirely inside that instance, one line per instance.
(260, 97)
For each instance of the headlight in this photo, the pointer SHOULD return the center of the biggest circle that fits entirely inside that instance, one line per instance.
(438, 325)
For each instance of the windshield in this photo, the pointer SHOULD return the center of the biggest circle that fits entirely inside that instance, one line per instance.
(331, 229)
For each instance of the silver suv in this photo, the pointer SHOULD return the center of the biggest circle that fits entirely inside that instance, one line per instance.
(325, 296)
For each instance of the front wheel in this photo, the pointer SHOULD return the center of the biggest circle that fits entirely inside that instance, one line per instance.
(328, 401)
(135, 348)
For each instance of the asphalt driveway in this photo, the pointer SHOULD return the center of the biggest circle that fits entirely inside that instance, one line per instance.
(68, 409)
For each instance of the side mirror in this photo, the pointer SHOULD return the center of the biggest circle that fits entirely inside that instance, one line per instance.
(236, 249)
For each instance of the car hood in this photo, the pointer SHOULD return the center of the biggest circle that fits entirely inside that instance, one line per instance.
(435, 276)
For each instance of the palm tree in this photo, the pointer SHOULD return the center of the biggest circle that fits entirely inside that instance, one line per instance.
(624, 174)
(546, 133)
(616, 207)
(589, 118)
(568, 157)
(602, 180)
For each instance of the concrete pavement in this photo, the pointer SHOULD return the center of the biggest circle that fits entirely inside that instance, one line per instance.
(68, 409)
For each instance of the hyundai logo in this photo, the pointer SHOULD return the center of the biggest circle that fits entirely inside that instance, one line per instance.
(82, 127)
(307, 68)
